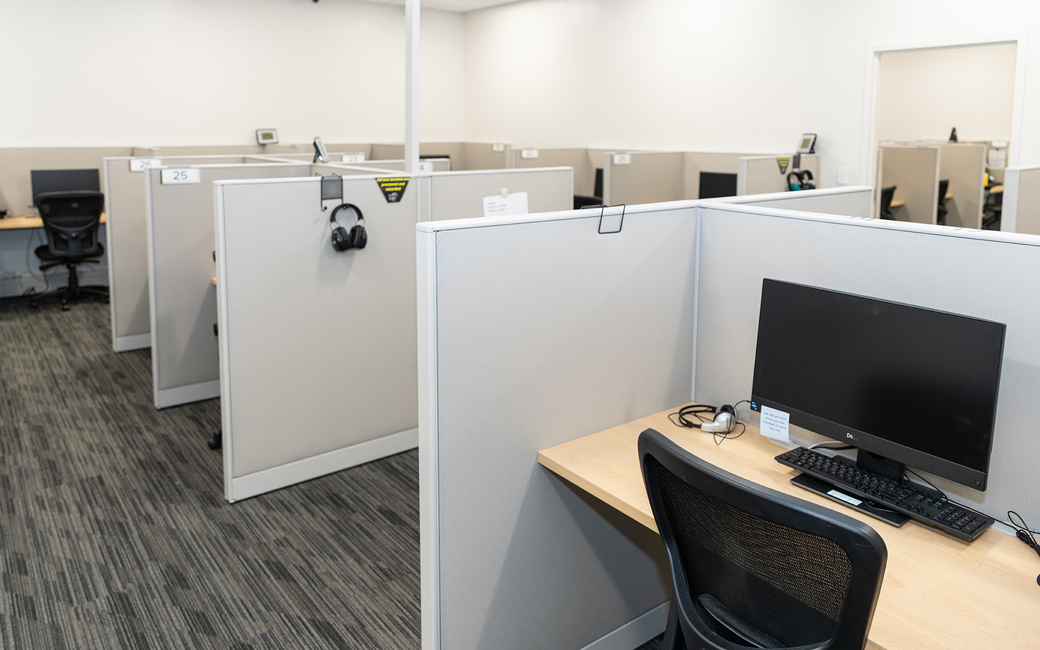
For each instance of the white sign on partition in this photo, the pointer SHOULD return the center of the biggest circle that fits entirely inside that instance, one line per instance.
(622, 159)
(528, 153)
(498, 147)
(141, 164)
(425, 166)
(353, 157)
(775, 424)
(180, 176)
(501, 206)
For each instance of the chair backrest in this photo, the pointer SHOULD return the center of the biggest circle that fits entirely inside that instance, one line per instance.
(755, 566)
(887, 194)
(71, 221)
(940, 210)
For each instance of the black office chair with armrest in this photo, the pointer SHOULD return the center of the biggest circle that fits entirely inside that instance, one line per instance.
(70, 220)
(752, 567)
(941, 210)
(887, 194)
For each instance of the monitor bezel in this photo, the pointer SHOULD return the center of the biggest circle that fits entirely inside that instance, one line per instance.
(868, 442)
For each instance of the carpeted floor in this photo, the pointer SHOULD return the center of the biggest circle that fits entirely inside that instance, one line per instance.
(114, 532)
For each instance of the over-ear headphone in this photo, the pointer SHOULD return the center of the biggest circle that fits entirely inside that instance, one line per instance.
(343, 240)
(725, 417)
(800, 180)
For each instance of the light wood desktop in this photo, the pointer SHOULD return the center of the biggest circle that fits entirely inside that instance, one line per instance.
(898, 204)
(938, 593)
(26, 223)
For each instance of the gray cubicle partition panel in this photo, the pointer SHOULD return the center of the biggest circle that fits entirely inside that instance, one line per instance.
(1021, 202)
(851, 201)
(695, 162)
(482, 155)
(648, 177)
(318, 347)
(768, 174)
(208, 150)
(460, 195)
(577, 159)
(16, 166)
(127, 245)
(964, 165)
(977, 273)
(536, 331)
(915, 173)
(185, 362)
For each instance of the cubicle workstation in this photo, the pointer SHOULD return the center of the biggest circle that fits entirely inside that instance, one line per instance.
(587, 165)
(464, 156)
(317, 347)
(182, 305)
(126, 245)
(1020, 210)
(617, 320)
(935, 182)
(643, 177)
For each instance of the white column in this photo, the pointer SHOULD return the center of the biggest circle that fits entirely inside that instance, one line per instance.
(411, 93)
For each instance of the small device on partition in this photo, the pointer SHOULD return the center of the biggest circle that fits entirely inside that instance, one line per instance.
(267, 136)
(321, 154)
(808, 143)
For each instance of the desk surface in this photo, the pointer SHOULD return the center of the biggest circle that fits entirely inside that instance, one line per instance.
(938, 592)
(25, 223)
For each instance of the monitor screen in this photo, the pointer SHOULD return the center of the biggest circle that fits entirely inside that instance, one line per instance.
(915, 385)
(714, 185)
(64, 180)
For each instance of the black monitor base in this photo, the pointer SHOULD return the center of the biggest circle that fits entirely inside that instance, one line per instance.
(833, 493)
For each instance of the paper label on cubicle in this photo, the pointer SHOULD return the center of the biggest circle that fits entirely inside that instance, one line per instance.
(500, 206)
(528, 153)
(775, 424)
(141, 164)
(175, 176)
(393, 188)
(425, 166)
(622, 159)
(353, 157)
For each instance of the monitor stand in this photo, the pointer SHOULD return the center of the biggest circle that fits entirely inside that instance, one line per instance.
(834, 493)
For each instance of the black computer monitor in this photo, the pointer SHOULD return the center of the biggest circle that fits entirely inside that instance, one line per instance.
(715, 184)
(902, 384)
(64, 180)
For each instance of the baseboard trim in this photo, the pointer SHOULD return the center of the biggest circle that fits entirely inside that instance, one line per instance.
(306, 469)
(186, 394)
(132, 342)
(634, 633)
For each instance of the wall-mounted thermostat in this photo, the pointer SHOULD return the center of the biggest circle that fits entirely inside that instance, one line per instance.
(267, 136)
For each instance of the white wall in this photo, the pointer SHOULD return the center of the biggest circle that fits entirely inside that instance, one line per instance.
(924, 93)
(743, 75)
(194, 72)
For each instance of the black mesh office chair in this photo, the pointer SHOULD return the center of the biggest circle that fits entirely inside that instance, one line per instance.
(752, 567)
(887, 194)
(940, 212)
(71, 221)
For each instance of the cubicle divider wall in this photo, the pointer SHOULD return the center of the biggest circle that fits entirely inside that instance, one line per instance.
(642, 177)
(183, 307)
(856, 201)
(766, 174)
(317, 355)
(914, 170)
(963, 165)
(584, 162)
(126, 207)
(461, 195)
(1021, 203)
(599, 329)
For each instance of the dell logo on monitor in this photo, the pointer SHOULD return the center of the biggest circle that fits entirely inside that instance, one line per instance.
(849, 436)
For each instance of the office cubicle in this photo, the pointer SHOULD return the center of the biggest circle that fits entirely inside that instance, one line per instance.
(1020, 211)
(767, 174)
(287, 302)
(463, 155)
(584, 162)
(584, 378)
(916, 170)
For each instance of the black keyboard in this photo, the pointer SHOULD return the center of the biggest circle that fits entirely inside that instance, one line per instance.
(885, 494)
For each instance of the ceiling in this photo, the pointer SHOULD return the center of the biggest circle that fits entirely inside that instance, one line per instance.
(451, 5)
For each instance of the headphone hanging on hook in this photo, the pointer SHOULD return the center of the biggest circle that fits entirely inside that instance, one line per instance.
(342, 240)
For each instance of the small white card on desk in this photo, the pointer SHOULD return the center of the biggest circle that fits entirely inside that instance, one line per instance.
(775, 424)
(500, 206)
